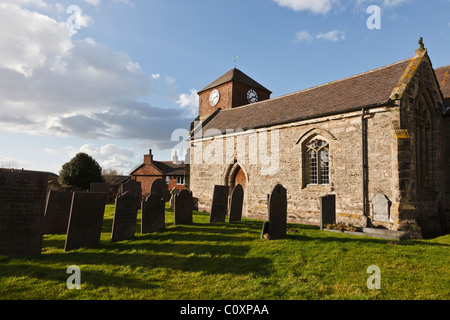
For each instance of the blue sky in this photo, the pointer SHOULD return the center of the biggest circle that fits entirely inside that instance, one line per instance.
(126, 77)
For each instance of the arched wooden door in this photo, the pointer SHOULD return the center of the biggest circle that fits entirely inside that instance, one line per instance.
(239, 178)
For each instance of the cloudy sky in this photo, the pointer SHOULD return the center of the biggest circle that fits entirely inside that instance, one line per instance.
(114, 78)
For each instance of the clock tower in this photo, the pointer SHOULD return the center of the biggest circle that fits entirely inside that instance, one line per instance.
(232, 90)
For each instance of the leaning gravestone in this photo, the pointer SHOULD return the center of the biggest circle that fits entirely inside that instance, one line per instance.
(219, 204)
(173, 193)
(237, 202)
(277, 212)
(159, 186)
(125, 217)
(153, 214)
(133, 186)
(380, 208)
(183, 207)
(57, 212)
(85, 221)
(22, 205)
(327, 210)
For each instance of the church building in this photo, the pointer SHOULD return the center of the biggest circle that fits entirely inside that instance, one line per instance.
(383, 133)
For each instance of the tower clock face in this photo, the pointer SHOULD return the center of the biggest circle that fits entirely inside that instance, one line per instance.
(252, 96)
(214, 97)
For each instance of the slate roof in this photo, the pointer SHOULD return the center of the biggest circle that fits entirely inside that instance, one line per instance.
(366, 89)
(443, 77)
(170, 168)
(237, 76)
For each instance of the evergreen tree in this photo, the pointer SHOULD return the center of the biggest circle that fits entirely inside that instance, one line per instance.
(80, 172)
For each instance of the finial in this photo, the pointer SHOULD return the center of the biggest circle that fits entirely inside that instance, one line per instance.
(422, 46)
(235, 60)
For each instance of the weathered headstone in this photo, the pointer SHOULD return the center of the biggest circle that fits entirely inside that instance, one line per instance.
(183, 207)
(327, 210)
(219, 204)
(133, 187)
(380, 208)
(173, 193)
(277, 212)
(22, 205)
(101, 187)
(153, 214)
(85, 221)
(159, 186)
(57, 211)
(125, 217)
(236, 204)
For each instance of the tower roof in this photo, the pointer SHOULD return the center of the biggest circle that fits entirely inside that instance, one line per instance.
(237, 76)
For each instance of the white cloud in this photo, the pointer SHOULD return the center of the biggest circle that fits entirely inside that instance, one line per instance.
(108, 156)
(51, 151)
(395, 3)
(189, 101)
(156, 76)
(10, 163)
(170, 80)
(51, 84)
(315, 6)
(93, 2)
(303, 36)
(334, 35)
(37, 40)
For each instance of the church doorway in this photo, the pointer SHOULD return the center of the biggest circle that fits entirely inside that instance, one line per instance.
(236, 175)
(239, 178)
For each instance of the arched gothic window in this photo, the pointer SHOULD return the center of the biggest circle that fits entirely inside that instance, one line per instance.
(318, 162)
(424, 146)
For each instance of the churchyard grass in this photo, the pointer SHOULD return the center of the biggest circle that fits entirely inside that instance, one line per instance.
(230, 261)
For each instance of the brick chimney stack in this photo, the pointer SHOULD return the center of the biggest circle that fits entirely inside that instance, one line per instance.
(148, 158)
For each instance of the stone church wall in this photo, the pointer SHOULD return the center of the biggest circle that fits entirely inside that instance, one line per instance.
(342, 132)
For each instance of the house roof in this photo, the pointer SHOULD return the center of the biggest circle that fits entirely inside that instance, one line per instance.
(168, 167)
(237, 76)
(365, 89)
(443, 77)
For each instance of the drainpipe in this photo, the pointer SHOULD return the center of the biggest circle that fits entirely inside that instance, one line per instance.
(364, 166)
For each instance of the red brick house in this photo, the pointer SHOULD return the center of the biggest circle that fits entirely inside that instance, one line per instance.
(172, 172)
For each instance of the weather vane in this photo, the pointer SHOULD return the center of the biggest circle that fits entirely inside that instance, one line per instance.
(235, 60)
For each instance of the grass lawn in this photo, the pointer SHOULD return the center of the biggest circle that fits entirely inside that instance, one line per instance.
(227, 261)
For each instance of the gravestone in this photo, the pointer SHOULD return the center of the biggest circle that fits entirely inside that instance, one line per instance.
(173, 193)
(265, 229)
(133, 187)
(85, 221)
(153, 214)
(277, 212)
(22, 206)
(159, 186)
(219, 204)
(236, 204)
(125, 217)
(327, 210)
(183, 207)
(380, 208)
(101, 187)
(57, 211)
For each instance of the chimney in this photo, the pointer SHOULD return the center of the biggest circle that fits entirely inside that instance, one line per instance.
(175, 158)
(148, 158)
